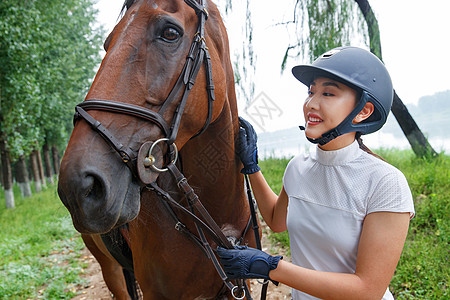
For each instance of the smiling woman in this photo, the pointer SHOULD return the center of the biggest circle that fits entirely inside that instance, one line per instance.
(339, 204)
(328, 103)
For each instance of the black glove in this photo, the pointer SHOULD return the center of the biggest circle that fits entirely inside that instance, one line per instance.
(244, 262)
(247, 149)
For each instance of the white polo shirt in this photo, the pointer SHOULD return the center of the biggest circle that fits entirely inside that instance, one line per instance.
(330, 193)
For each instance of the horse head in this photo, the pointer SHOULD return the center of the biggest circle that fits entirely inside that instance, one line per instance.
(143, 93)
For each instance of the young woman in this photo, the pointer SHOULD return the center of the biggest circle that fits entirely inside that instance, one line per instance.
(346, 210)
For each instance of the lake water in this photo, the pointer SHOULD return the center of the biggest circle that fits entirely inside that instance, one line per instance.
(292, 142)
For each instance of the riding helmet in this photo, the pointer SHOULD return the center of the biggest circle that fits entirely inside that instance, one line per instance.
(362, 71)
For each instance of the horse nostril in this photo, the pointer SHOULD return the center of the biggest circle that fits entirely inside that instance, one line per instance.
(93, 188)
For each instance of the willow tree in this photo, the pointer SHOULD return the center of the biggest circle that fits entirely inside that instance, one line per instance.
(321, 25)
(244, 60)
(416, 139)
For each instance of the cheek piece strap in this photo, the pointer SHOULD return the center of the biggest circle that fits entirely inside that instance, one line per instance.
(347, 125)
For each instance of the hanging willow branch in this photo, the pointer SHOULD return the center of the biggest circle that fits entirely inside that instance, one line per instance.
(321, 25)
(244, 61)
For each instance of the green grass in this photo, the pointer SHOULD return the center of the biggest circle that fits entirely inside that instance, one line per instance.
(423, 270)
(38, 248)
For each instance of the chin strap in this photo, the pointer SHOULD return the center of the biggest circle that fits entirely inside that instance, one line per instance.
(345, 126)
(325, 138)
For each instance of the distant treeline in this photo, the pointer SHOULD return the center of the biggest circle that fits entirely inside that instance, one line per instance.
(431, 115)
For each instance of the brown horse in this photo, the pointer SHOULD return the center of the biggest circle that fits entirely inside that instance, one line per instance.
(146, 82)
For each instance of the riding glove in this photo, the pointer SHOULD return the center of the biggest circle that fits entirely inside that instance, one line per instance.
(247, 149)
(244, 262)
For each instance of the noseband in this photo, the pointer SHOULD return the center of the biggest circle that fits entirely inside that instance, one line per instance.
(198, 55)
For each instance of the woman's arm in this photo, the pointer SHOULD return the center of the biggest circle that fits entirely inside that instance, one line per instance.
(381, 243)
(273, 208)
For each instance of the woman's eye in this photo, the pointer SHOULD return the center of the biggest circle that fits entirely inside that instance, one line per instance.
(328, 94)
(170, 34)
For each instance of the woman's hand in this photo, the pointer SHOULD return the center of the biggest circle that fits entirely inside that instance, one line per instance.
(247, 148)
(244, 262)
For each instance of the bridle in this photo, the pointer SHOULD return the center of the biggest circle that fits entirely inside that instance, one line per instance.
(198, 55)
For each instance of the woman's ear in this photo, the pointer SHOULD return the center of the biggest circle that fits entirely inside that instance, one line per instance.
(364, 113)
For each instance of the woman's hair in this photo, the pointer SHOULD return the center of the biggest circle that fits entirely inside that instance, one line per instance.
(364, 147)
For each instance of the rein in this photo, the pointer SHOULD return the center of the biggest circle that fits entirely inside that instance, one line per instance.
(144, 163)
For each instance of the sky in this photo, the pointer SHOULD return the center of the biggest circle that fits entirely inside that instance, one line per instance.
(414, 39)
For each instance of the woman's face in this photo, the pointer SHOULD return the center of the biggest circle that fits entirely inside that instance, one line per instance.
(329, 102)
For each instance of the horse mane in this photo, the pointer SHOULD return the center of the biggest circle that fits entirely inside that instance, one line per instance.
(126, 5)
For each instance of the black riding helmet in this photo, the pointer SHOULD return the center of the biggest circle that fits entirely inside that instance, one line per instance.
(362, 71)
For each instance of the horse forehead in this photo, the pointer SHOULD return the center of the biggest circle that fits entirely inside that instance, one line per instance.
(155, 7)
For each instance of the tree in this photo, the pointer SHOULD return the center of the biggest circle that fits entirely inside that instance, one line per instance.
(321, 25)
(415, 137)
(19, 58)
(330, 25)
(48, 52)
(244, 60)
(73, 51)
(22, 177)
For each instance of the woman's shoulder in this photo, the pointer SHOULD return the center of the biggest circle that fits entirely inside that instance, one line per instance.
(299, 161)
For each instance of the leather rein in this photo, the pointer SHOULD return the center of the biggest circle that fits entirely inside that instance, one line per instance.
(198, 55)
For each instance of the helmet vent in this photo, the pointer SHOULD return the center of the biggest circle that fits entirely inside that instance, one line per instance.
(330, 53)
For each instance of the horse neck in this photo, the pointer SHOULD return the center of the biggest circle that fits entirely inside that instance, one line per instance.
(210, 159)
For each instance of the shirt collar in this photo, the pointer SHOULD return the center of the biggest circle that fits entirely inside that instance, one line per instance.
(340, 156)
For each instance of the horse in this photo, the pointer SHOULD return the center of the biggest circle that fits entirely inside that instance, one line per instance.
(152, 151)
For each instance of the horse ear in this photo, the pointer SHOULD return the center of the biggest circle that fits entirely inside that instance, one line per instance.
(107, 42)
(127, 5)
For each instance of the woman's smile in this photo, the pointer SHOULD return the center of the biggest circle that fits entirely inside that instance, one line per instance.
(313, 119)
(328, 103)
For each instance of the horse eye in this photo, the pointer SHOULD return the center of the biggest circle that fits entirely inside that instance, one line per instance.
(170, 34)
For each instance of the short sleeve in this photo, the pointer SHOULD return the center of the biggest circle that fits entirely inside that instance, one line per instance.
(392, 194)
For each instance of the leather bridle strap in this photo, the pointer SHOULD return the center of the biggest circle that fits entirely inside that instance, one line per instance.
(126, 108)
(197, 55)
(212, 228)
(193, 199)
(127, 155)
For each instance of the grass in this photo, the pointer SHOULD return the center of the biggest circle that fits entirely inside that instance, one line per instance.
(38, 249)
(423, 270)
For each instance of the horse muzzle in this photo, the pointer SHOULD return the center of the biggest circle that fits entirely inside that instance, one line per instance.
(98, 201)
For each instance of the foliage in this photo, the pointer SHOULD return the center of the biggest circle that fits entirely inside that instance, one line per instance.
(318, 26)
(321, 25)
(423, 270)
(48, 51)
(39, 249)
(244, 60)
(20, 57)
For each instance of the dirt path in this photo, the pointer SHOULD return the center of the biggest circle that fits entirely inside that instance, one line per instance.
(95, 287)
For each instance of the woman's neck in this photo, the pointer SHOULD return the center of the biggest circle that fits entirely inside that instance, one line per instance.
(340, 142)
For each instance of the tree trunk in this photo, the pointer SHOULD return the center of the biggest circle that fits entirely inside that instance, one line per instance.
(41, 168)
(7, 175)
(416, 139)
(48, 165)
(35, 169)
(56, 159)
(1, 173)
(22, 177)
